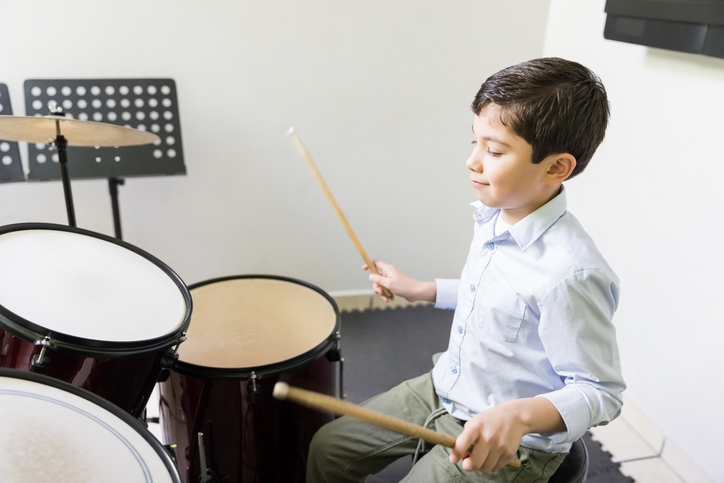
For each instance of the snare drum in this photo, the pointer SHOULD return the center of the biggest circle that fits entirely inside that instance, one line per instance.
(249, 332)
(89, 310)
(53, 431)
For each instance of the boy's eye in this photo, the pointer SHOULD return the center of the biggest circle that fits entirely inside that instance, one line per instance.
(493, 153)
(474, 142)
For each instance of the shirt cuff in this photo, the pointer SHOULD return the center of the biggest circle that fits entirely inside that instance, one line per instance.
(573, 407)
(447, 293)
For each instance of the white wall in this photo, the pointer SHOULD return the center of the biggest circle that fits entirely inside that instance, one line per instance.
(652, 198)
(378, 91)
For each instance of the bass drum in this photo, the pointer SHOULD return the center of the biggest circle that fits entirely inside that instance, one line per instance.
(54, 431)
(216, 405)
(89, 310)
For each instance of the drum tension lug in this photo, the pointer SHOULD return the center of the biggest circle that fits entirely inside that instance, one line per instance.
(335, 354)
(169, 359)
(171, 450)
(253, 389)
(39, 363)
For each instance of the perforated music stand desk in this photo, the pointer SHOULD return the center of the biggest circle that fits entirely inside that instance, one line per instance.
(144, 104)
(11, 168)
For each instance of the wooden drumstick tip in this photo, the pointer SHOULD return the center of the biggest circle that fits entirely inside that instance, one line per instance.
(281, 390)
(290, 131)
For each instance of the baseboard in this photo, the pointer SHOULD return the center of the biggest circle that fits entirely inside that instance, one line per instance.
(360, 301)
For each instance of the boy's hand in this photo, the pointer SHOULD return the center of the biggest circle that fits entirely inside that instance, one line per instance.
(495, 434)
(400, 284)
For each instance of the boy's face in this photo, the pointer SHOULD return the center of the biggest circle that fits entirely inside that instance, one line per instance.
(502, 170)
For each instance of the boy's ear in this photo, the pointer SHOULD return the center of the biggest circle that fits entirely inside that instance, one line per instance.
(560, 168)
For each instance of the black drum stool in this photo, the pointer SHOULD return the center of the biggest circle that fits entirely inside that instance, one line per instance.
(575, 467)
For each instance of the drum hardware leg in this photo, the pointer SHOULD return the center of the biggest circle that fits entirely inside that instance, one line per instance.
(164, 375)
(253, 389)
(202, 459)
(207, 474)
(342, 395)
(142, 419)
(40, 362)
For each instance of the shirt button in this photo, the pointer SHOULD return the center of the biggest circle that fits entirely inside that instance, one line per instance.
(490, 246)
(460, 330)
(472, 288)
(446, 400)
(454, 370)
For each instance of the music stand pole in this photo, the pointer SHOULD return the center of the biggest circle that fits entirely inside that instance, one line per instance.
(61, 144)
(113, 188)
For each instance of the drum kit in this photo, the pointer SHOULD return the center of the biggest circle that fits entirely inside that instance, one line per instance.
(90, 325)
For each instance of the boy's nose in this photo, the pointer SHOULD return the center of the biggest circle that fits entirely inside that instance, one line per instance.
(474, 164)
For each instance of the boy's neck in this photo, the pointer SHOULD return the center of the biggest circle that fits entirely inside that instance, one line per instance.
(513, 217)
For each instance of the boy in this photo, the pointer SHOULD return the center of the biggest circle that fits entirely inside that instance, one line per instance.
(532, 361)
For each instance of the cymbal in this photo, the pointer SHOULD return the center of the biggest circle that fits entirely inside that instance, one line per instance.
(77, 133)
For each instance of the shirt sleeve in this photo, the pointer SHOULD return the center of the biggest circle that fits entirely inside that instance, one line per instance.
(580, 340)
(447, 293)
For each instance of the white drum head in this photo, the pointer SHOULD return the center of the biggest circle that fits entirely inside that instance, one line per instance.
(87, 287)
(50, 434)
(253, 322)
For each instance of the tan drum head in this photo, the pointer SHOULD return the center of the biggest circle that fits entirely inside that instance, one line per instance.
(253, 322)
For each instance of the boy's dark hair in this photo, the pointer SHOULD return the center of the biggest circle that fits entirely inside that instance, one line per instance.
(556, 105)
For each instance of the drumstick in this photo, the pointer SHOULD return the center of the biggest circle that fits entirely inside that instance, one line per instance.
(318, 176)
(343, 408)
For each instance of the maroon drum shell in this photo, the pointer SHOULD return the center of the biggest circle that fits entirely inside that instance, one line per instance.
(248, 442)
(127, 383)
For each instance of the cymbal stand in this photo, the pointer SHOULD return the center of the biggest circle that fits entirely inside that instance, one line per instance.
(113, 183)
(61, 144)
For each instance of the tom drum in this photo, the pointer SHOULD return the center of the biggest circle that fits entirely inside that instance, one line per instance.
(89, 310)
(249, 332)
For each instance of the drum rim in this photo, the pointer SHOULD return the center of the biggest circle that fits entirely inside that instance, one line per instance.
(160, 450)
(75, 345)
(268, 370)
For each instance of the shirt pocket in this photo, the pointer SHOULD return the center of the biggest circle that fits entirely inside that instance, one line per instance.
(501, 313)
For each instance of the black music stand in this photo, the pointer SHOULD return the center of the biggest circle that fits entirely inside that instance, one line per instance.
(145, 104)
(11, 168)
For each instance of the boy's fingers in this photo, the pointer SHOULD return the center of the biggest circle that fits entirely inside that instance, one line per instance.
(379, 280)
(459, 451)
(380, 265)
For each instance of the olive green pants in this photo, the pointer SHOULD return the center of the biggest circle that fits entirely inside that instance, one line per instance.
(348, 450)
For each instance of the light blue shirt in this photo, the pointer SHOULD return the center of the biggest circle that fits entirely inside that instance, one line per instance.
(533, 311)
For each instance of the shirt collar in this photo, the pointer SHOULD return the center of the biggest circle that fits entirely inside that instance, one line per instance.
(529, 229)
